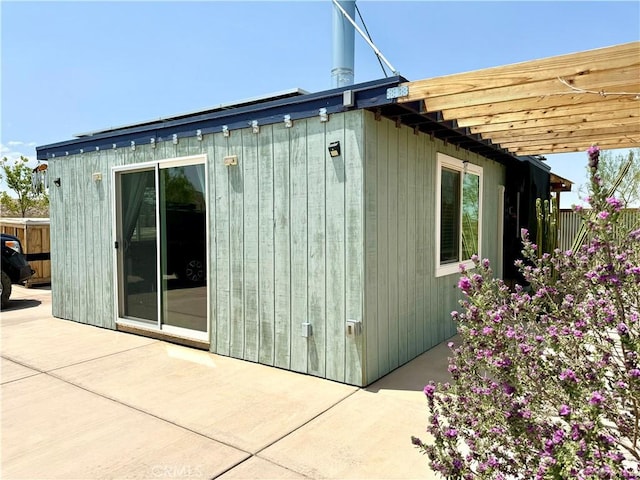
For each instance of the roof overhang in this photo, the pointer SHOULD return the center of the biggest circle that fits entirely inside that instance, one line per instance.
(371, 96)
(554, 105)
(559, 184)
(263, 110)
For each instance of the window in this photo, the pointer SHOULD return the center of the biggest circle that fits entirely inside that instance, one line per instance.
(458, 214)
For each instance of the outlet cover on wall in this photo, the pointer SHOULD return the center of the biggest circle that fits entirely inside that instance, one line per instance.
(307, 331)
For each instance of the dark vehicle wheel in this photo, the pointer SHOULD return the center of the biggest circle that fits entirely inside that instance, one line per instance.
(193, 271)
(5, 291)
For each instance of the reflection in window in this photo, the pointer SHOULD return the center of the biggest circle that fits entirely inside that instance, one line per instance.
(470, 215)
(460, 213)
(449, 216)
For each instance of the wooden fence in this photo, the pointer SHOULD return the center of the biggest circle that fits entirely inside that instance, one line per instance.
(33, 234)
(570, 223)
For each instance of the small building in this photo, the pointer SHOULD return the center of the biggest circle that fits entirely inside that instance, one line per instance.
(316, 232)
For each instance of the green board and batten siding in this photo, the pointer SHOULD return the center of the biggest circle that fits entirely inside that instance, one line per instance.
(295, 236)
(406, 307)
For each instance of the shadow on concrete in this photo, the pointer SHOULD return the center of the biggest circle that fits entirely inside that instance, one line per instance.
(21, 304)
(413, 376)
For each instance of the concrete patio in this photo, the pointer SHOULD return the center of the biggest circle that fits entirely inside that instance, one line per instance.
(80, 402)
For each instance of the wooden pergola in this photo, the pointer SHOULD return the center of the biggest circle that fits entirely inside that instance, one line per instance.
(554, 105)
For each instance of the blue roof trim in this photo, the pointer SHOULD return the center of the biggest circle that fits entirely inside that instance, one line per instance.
(366, 95)
(369, 95)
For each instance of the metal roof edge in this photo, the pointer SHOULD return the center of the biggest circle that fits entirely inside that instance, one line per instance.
(265, 112)
(293, 92)
(534, 160)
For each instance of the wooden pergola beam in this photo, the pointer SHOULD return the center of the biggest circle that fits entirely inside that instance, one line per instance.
(540, 103)
(562, 147)
(595, 134)
(536, 106)
(576, 64)
(561, 112)
(569, 141)
(583, 142)
(566, 124)
(610, 82)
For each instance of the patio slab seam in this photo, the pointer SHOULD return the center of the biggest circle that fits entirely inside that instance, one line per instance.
(282, 437)
(230, 469)
(133, 407)
(86, 360)
(248, 453)
(35, 371)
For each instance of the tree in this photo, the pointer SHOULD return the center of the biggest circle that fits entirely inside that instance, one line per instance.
(19, 179)
(611, 164)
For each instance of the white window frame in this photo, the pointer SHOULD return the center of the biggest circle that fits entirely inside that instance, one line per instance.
(451, 163)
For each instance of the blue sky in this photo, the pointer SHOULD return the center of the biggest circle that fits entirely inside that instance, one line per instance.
(73, 67)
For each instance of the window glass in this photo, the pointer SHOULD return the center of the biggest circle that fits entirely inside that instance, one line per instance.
(470, 215)
(459, 214)
(449, 216)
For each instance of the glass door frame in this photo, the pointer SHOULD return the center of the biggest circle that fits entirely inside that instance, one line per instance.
(156, 166)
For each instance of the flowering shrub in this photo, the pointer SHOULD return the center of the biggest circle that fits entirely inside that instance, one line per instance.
(546, 381)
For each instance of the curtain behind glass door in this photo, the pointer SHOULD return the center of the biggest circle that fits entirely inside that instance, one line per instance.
(139, 248)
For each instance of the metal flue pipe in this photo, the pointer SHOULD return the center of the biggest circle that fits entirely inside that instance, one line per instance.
(343, 44)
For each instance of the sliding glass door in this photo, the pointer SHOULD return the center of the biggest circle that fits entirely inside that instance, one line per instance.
(137, 243)
(161, 247)
(183, 247)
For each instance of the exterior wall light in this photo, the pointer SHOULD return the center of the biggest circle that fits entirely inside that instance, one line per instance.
(334, 149)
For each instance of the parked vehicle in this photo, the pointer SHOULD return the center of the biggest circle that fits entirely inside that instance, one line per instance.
(186, 247)
(15, 268)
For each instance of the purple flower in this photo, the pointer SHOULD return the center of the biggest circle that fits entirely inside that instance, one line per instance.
(576, 432)
(525, 348)
(603, 215)
(464, 284)
(451, 432)
(508, 389)
(564, 410)
(429, 390)
(615, 203)
(634, 372)
(596, 398)
(568, 374)
(558, 435)
(594, 156)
